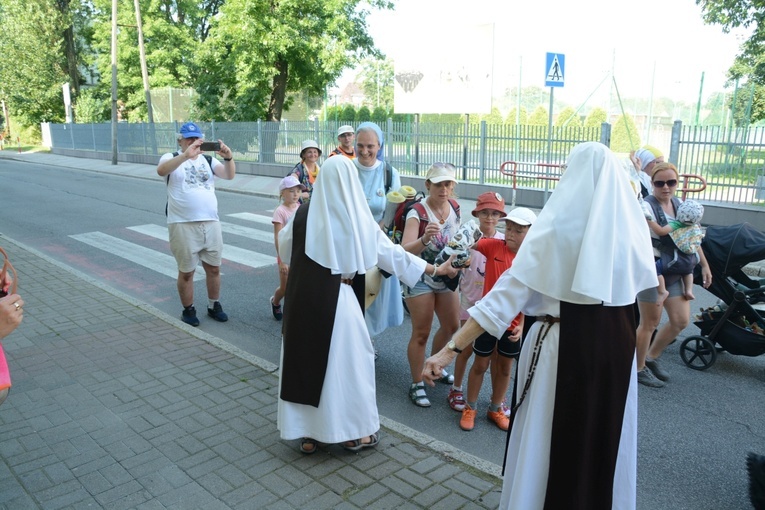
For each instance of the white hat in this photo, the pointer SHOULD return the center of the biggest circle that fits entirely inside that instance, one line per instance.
(440, 172)
(290, 182)
(345, 129)
(521, 216)
(309, 144)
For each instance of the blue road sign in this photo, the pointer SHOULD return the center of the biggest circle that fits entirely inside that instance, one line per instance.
(555, 69)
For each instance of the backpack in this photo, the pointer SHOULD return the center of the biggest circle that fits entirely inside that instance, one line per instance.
(673, 260)
(167, 177)
(399, 218)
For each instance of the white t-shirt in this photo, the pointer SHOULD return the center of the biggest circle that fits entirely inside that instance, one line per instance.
(191, 190)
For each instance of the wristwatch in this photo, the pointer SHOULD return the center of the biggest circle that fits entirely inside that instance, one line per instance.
(453, 347)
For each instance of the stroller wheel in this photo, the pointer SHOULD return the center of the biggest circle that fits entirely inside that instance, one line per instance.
(698, 352)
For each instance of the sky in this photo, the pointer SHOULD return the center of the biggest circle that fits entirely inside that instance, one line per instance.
(596, 36)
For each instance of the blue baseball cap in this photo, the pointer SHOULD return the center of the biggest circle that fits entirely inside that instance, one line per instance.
(191, 130)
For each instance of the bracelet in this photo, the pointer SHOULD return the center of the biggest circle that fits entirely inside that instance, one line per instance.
(227, 159)
(435, 268)
(423, 242)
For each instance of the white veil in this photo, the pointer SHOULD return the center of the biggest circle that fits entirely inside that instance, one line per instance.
(590, 244)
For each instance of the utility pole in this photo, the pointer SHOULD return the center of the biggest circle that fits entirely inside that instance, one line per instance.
(142, 52)
(114, 82)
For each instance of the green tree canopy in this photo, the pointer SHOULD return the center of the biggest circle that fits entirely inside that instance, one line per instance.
(624, 135)
(376, 80)
(568, 118)
(595, 118)
(495, 117)
(538, 117)
(522, 119)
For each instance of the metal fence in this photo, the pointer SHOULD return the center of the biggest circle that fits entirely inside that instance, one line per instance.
(730, 160)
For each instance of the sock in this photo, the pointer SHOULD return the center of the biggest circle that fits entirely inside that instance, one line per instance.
(189, 307)
(211, 303)
(493, 408)
(473, 405)
(457, 388)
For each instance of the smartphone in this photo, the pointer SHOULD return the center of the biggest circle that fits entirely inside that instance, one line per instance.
(210, 146)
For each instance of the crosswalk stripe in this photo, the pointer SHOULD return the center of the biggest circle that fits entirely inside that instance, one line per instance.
(252, 233)
(233, 253)
(152, 259)
(257, 218)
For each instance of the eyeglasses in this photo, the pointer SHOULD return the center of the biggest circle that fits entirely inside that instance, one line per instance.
(660, 184)
(489, 214)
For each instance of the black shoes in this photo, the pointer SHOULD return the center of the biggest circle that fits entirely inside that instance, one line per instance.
(217, 313)
(189, 316)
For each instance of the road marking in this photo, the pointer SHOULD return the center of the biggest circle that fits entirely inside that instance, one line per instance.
(233, 253)
(257, 218)
(146, 257)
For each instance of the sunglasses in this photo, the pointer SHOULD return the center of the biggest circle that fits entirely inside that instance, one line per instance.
(660, 184)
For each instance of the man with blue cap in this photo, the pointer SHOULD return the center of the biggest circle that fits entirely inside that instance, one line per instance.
(192, 216)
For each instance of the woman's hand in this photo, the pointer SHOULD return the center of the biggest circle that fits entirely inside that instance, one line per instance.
(283, 268)
(11, 314)
(430, 232)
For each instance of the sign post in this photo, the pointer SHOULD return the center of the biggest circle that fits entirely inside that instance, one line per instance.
(555, 65)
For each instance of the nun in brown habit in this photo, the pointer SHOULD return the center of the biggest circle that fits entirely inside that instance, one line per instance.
(573, 435)
(327, 376)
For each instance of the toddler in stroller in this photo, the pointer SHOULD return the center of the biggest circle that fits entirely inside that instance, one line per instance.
(678, 246)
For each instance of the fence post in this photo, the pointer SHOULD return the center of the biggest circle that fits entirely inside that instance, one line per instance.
(212, 129)
(674, 145)
(71, 135)
(465, 146)
(316, 135)
(143, 137)
(260, 142)
(416, 144)
(605, 134)
(93, 135)
(482, 154)
(389, 137)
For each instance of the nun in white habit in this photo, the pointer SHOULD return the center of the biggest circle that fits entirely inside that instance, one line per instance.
(327, 374)
(573, 437)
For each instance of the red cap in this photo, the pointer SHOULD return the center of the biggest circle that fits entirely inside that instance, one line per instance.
(490, 200)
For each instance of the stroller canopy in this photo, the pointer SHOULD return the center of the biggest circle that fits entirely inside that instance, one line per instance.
(728, 249)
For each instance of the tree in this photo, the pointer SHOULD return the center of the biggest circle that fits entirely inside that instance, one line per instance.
(33, 65)
(363, 114)
(284, 46)
(376, 79)
(348, 113)
(624, 135)
(750, 62)
(568, 118)
(91, 107)
(522, 119)
(595, 118)
(538, 117)
(379, 115)
(495, 117)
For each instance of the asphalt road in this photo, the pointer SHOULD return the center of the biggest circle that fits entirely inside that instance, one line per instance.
(693, 434)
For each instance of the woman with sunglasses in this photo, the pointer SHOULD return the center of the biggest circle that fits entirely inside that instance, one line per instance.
(665, 180)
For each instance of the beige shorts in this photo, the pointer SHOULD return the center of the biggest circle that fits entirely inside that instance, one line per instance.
(195, 240)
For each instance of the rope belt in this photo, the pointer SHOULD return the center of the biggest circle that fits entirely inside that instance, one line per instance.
(547, 323)
(347, 281)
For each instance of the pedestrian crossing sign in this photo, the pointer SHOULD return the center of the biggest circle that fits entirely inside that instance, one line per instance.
(555, 66)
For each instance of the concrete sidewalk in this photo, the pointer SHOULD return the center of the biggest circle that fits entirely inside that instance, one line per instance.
(116, 405)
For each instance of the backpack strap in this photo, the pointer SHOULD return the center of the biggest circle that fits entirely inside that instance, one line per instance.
(388, 177)
(456, 206)
(422, 215)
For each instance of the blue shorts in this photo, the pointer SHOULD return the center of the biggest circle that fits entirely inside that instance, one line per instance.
(421, 288)
(675, 289)
(484, 345)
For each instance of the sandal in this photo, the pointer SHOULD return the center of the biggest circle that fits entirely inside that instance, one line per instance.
(357, 444)
(446, 377)
(308, 445)
(418, 396)
(456, 399)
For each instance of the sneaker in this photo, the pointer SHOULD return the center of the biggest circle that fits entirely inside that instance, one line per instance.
(189, 316)
(499, 419)
(660, 373)
(467, 422)
(217, 313)
(646, 378)
(505, 410)
(446, 377)
(456, 399)
(276, 310)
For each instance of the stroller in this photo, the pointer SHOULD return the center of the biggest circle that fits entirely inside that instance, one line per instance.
(737, 324)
